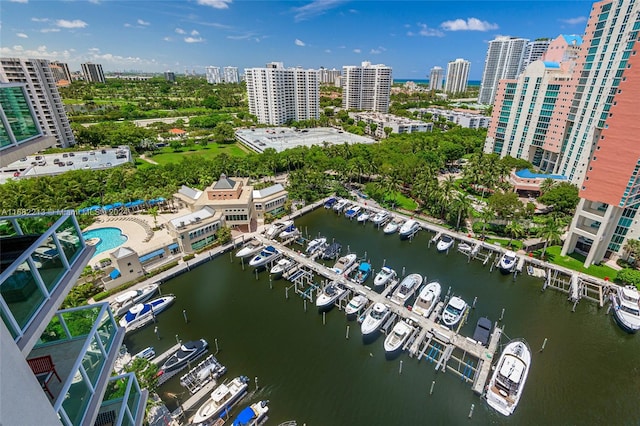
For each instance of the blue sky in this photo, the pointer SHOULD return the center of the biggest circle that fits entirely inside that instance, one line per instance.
(409, 36)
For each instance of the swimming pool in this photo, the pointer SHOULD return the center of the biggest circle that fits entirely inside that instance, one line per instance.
(109, 238)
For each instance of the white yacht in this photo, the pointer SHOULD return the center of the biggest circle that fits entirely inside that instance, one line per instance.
(453, 312)
(143, 313)
(340, 205)
(409, 228)
(352, 212)
(344, 263)
(315, 245)
(507, 262)
(380, 218)
(427, 299)
(393, 226)
(397, 338)
(509, 377)
(355, 305)
(276, 227)
(363, 217)
(249, 249)
(444, 243)
(626, 308)
(384, 277)
(376, 316)
(125, 301)
(223, 397)
(281, 266)
(268, 254)
(330, 295)
(288, 232)
(407, 287)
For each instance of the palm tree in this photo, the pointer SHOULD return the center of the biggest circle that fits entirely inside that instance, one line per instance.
(632, 247)
(550, 232)
(461, 206)
(546, 185)
(515, 230)
(488, 214)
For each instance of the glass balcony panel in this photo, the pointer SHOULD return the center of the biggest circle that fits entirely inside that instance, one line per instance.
(134, 399)
(5, 319)
(107, 330)
(93, 360)
(22, 295)
(79, 322)
(54, 332)
(49, 264)
(69, 239)
(36, 225)
(126, 421)
(7, 229)
(77, 399)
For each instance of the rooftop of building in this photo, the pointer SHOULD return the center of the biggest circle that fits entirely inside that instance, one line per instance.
(193, 218)
(266, 192)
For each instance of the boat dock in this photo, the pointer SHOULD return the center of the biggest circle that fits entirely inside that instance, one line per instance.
(458, 352)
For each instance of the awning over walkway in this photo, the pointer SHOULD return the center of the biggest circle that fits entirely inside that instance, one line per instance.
(151, 255)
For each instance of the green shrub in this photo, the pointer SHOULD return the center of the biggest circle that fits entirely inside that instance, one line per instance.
(188, 257)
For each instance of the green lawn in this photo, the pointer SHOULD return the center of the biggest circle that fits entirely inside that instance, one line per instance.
(401, 202)
(575, 262)
(167, 155)
(503, 242)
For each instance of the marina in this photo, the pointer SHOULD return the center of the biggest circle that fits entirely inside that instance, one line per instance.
(315, 343)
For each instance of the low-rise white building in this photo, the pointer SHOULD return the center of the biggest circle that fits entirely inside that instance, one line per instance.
(269, 200)
(396, 123)
(462, 117)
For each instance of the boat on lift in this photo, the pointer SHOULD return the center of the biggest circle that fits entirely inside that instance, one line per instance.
(355, 305)
(249, 249)
(409, 228)
(453, 312)
(444, 243)
(380, 217)
(125, 301)
(393, 226)
(405, 290)
(427, 299)
(384, 277)
(276, 227)
(331, 293)
(281, 266)
(268, 254)
(374, 319)
(344, 263)
(396, 339)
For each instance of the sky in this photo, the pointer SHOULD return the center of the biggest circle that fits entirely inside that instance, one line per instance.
(171, 35)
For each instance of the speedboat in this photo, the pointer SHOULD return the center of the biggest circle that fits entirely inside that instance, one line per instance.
(330, 202)
(340, 205)
(147, 353)
(626, 308)
(362, 273)
(276, 227)
(398, 336)
(332, 251)
(268, 254)
(454, 311)
(483, 330)
(344, 263)
(409, 228)
(222, 399)
(186, 353)
(330, 295)
(380, 218)
(384, 277)
(509, 377)
(288, 232)
(253, 415)
(281, 266)
(427, 299)
(352, 212)
(393, 226)
(405, 290)
(249, 249)
(377, 315)
(143, 313)
(355, 305)
(315, 245)
(122, 303)
(507, 262)
(363, 217)
(444, 243)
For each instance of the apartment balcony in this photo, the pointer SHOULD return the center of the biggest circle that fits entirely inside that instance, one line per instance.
(83, 344)
(123, 403)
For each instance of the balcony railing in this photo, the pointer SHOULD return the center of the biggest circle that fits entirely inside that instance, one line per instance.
(123, 402)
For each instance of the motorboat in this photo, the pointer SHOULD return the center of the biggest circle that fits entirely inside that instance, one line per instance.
(344, 263)
(361, 274)
(626, 308)
(332, 251)
(398, 336)
(409, 228)
(355, 305)
(249, 249)
(363, 217)
(407, 287)
(384, 277)
(427, 299)
(186, 353)
(253, 415)
(393, 226)
(509, 377)
(147, 353)
(276, 227)
(281, 266)
(222, 399)
(123, 302)
(143, 313)
(268, 254)
(330, 202)
(340, 205)
(464, 247)
(444, 243)
(483, 331)
(380, 218)
(453, 312)
(315, 245)
(507, 262)
(352, 212)
(376, 316)
(288, 232)
(330, 295)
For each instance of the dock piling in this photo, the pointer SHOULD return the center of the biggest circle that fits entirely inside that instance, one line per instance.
(177, 339)
(184, 314)
(286, 292)
(305, 305)
(256, 381)
(501, 315)
(157, 332)
(347, 335)
(432, 385)
(217, 348)
(400, 370)
(475, 299)
(256, 274)
(544, 343)
(324, 318)
(471, 411)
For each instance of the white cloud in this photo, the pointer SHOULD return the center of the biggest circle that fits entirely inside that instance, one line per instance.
(217, 4)
(50, 30)
(180, 31)
(40, 19)
(299, 42)
(377, 51)
(357, 51)
(425, 31)
(193, 39)
(195, 33)
(19, 1)
(39, 52)
(128, 25)
(143, 23)
(167, 39)
(327, 50)
(471, 24)
(76, 23)
(22, 35)
(315, 8)
(94, 1)
(574, 21)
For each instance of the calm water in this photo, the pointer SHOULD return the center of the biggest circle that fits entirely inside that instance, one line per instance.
(110, 238)
(587, 374)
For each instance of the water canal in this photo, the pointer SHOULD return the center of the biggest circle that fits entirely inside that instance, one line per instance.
(587, 374)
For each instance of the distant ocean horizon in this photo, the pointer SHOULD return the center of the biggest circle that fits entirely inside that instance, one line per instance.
(404, 80)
